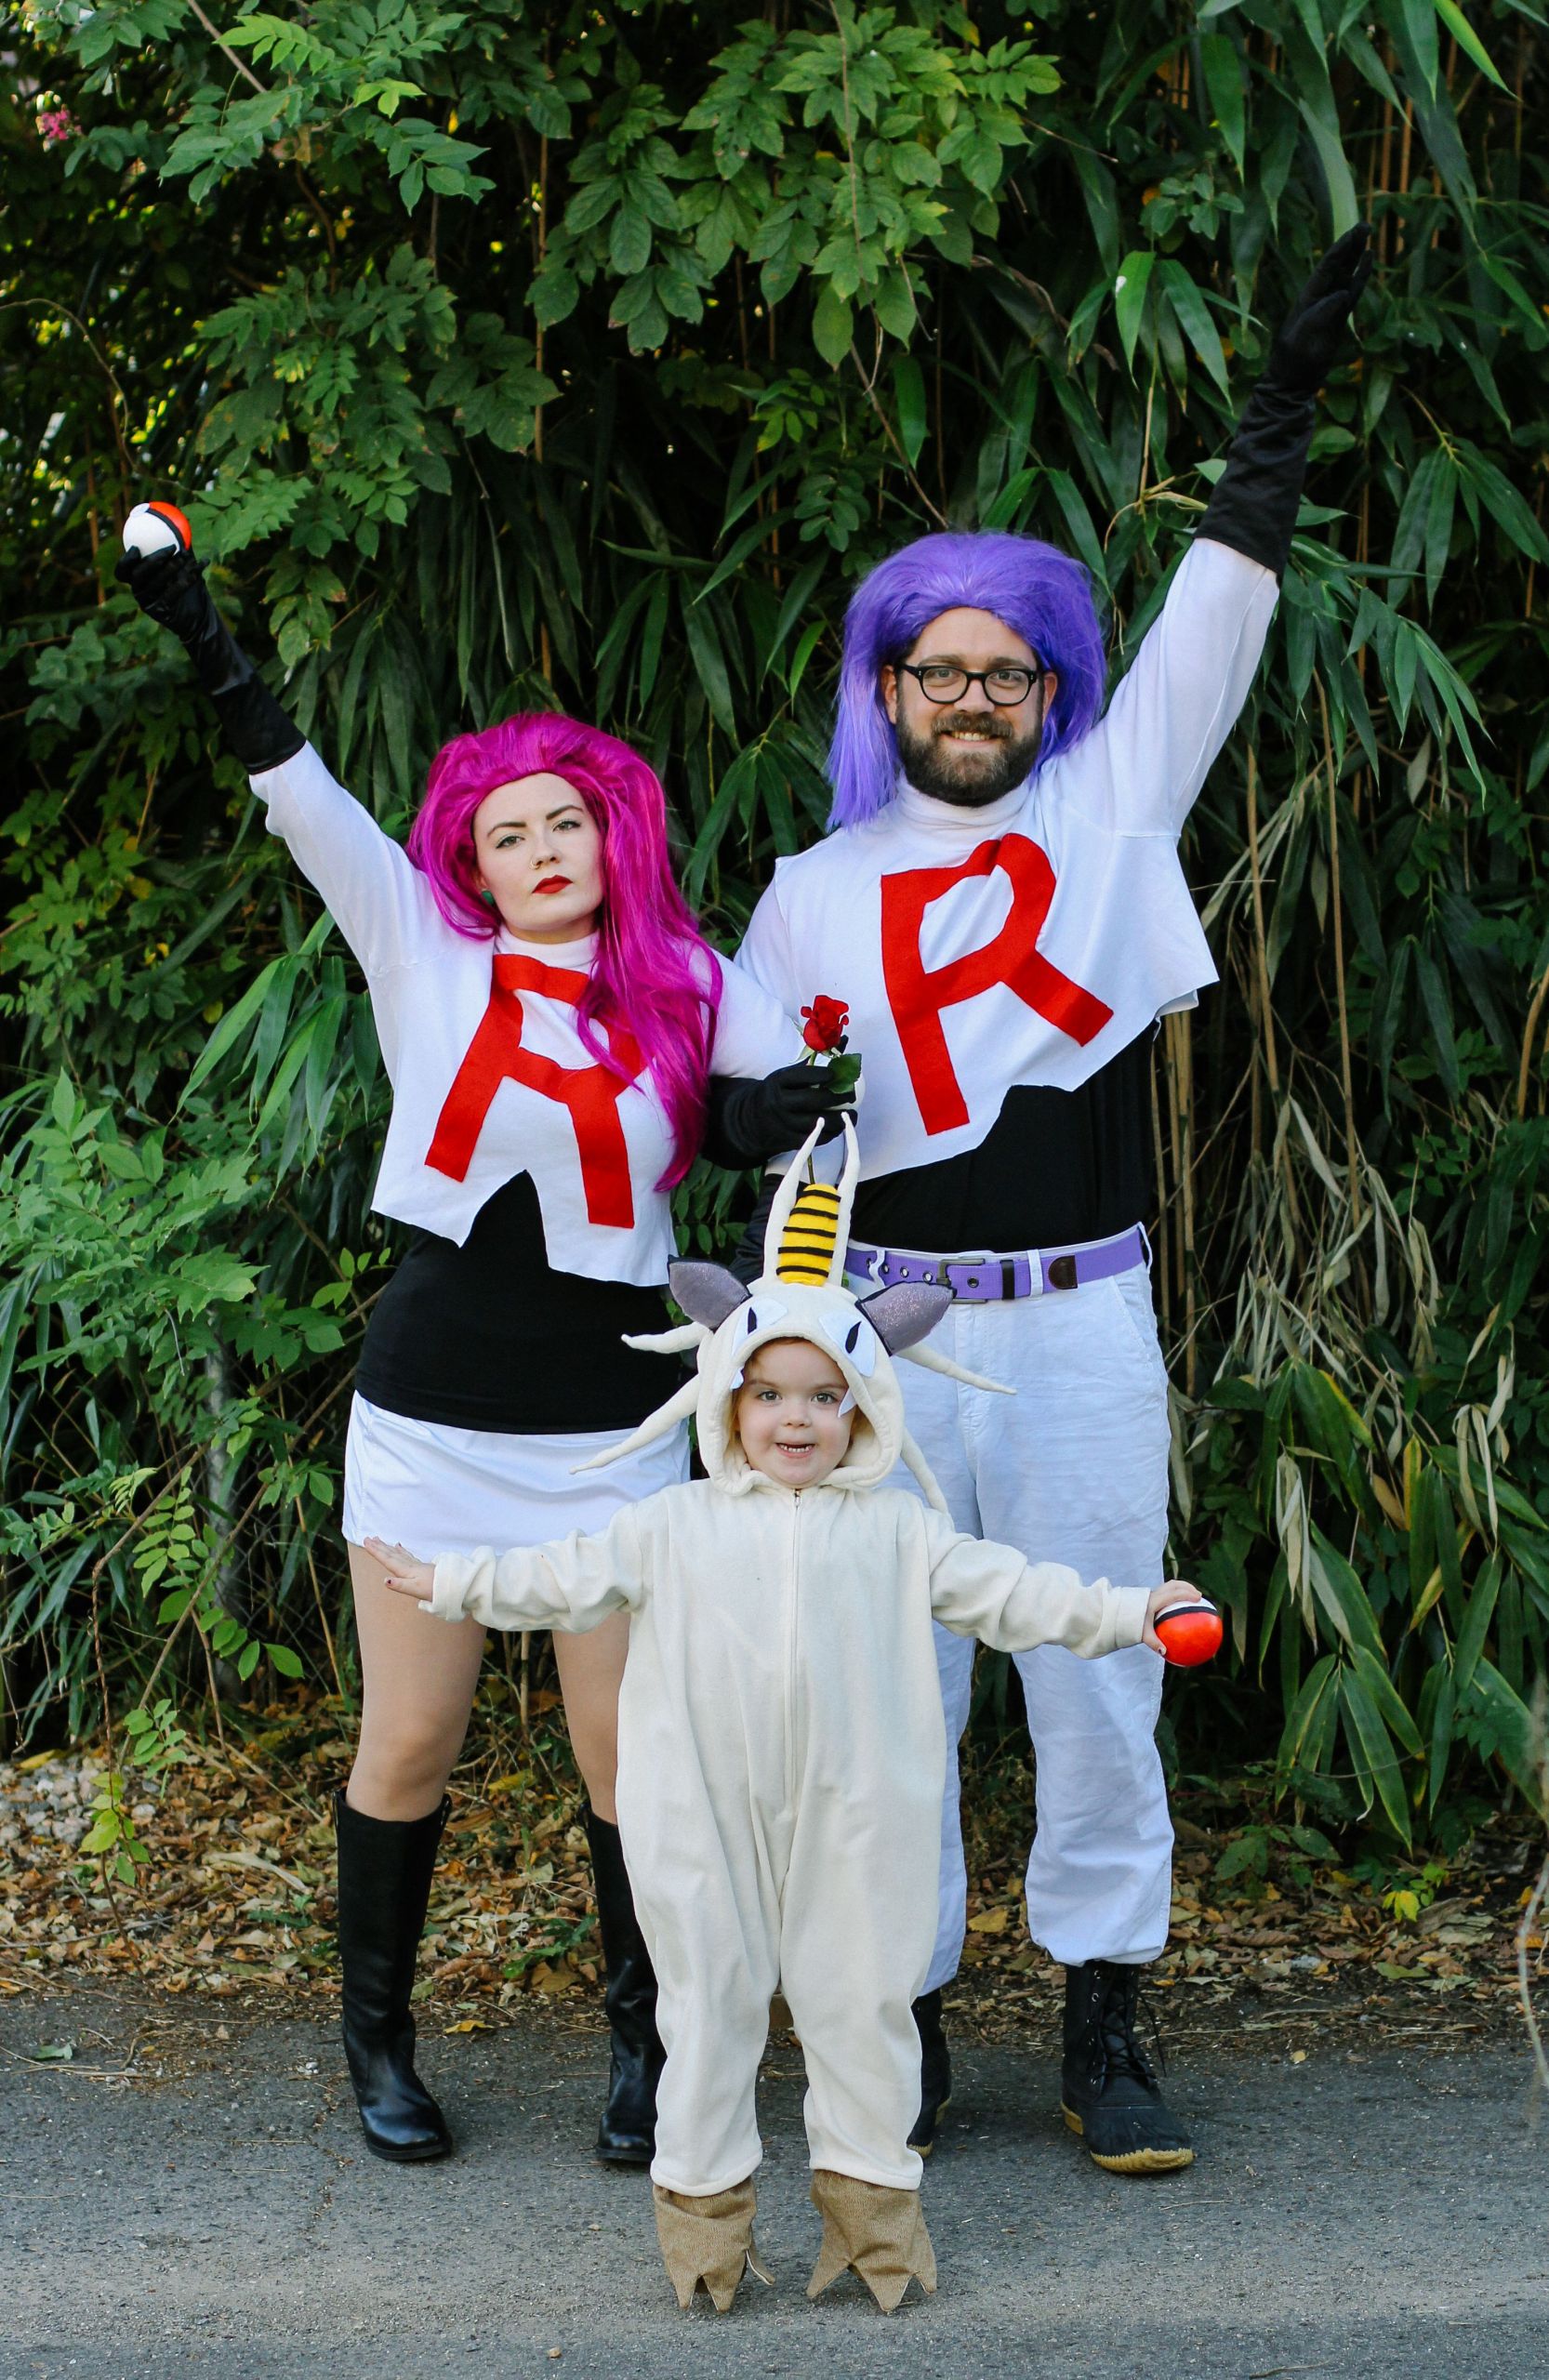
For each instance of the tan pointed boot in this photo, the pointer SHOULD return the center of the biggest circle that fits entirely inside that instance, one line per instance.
(879, 2233)
(708, 2242)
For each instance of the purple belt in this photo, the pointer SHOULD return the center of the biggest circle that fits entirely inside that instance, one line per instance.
(981, 1280)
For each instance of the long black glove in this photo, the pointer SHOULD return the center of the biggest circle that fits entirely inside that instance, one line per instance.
(746, 1122)
(169, 587)
(1253, 505)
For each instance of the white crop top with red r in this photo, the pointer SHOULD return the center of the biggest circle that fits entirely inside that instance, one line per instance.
(490, 1078)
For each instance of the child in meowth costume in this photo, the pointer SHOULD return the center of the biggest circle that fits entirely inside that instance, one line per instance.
(781, 1742)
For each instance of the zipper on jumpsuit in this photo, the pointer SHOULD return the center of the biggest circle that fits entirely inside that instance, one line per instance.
(790, 1649)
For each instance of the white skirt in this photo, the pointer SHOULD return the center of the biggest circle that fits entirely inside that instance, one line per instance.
(441, 1490)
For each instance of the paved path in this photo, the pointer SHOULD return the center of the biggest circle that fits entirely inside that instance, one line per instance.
(1367, 2215)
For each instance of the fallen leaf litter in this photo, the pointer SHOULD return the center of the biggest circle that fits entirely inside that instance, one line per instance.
(236, 1898)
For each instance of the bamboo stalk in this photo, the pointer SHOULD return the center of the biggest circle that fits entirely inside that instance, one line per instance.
(546, 655)
(1164, 1269)
(1380, 181)
(1260, 943)
(773, 358)
(1405, 148)
(1180, 1025)
(1255, 1093)
(1339, 962)
(1271, 1057)
(1176, 1230)
(1177, 1049)
(91, 517)
(1532, 558)
(1146, 444)
(1530, 1034)
(742, 315)
(542, 252)
(940, 422)
(759, 507)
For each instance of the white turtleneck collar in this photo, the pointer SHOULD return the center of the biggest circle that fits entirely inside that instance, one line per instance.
(578, 953)
(937, 817)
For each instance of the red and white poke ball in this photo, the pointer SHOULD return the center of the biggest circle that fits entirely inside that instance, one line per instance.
(157, 529)
(1191, 1632)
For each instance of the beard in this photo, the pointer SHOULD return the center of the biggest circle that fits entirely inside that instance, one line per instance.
(968, 778)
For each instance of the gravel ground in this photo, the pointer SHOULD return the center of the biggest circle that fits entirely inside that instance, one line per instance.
(187, 2193)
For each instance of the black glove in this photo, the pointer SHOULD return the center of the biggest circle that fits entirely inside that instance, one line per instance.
(747, 1260)
(1253, 505)
(169, 587)
(1312, 338)
(746, 1122)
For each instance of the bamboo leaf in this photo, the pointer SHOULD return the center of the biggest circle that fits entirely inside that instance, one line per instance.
(1131, 285)
(710, 663)
(1341, 1596)
(1218, 55)
(1503, 503)
(1438, 1009)
(1480, 1611)
(1386, 1702)
(1468, 42)
(1194, 315)
(1419, 19)
(1377, 1766)
(1320, 1683)
(1511, 1724)
(797, 596)
(1441, 1736)
(233, 1025)
(908, 388)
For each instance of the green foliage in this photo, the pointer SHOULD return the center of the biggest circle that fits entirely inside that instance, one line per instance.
(585, 356)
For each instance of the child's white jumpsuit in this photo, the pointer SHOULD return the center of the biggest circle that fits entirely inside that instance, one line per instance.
(782, 1750)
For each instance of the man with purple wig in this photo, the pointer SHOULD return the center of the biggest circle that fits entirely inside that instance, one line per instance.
(1003, 910)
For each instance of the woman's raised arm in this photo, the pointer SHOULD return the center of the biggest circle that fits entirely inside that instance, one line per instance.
(378, 899)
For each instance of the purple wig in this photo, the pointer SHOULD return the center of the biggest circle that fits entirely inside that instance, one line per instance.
(1044, 595)
(654, 975)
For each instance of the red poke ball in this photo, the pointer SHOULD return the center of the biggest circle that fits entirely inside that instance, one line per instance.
(1191, 1632)
(157, 529)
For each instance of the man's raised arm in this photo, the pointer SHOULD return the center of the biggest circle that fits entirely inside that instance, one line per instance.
(1142, 767)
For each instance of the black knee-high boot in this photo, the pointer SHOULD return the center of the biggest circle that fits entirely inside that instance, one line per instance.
(626, 2134)
(384, 1889)
(935, 2072)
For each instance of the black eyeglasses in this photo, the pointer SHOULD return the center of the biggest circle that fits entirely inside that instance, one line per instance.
(944, 681)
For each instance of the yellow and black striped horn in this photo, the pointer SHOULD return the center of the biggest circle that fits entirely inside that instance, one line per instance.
(809, 1223)
(806, 1247)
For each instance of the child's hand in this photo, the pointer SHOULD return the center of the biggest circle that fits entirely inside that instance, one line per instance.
(1175, 1591)
(407, 1575)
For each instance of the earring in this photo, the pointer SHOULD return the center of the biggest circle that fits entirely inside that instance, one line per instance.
(486, 896)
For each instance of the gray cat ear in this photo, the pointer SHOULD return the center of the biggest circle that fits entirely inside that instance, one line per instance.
(910, 1310)
(707, 1293)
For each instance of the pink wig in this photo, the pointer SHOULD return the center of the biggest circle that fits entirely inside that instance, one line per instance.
(654, 975)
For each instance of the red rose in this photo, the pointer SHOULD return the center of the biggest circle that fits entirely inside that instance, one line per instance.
(826, 1021)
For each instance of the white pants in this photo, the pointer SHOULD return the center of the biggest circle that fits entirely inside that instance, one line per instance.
(1072, 1468)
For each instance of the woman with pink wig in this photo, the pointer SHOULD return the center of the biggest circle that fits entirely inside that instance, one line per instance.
(550, 1016)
